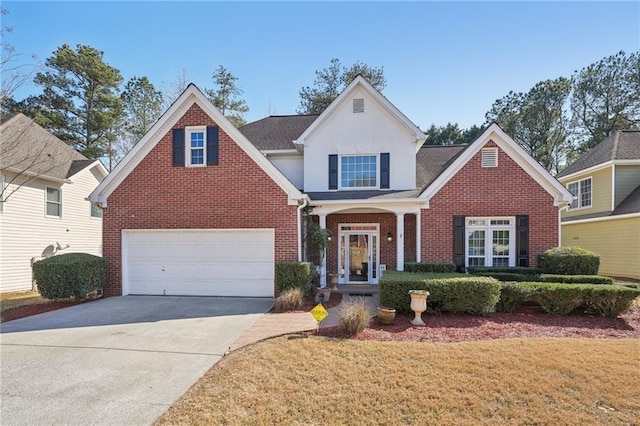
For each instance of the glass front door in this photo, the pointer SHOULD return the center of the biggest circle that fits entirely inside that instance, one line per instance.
(358, 260)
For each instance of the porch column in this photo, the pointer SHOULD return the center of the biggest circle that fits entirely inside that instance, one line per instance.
(418, 236)
(400, 241)
(323, 266)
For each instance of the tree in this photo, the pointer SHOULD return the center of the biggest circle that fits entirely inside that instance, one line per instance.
(172, 90)
(141, 107)
(537, 120)
(606, 98)
(331, 81)
(13, 72)
(225, 96)
(80, 102)
(451, 134)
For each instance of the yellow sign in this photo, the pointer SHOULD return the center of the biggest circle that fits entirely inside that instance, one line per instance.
(319, 312)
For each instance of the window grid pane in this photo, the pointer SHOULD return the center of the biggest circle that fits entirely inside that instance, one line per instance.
(358, 171)
(197, 156)
(585, 193)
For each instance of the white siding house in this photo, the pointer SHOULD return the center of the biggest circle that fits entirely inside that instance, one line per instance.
(44, 210)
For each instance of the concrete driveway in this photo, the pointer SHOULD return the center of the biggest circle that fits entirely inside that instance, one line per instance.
(121, 360)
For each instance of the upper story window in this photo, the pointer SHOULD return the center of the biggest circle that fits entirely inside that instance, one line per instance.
(54, 202)
(582, 191)
(196, 146)
(359, 171)
(96, 211)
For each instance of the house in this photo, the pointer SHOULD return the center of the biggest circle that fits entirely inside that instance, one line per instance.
(44, 208)
(199, 207)
(605, 215)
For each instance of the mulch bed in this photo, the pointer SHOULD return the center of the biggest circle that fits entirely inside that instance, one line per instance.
(38, 308)
(524, 322)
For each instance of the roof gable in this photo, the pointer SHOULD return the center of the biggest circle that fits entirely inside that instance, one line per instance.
(559, 193)
(360, 83)
(191, 95)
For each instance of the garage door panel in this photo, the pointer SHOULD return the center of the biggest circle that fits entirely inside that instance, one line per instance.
(202, 262)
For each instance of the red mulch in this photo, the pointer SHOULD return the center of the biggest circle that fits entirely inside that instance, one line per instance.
(310, 303)
(37, 308)
(525, 322)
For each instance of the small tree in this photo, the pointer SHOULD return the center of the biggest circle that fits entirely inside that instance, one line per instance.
(226, 96)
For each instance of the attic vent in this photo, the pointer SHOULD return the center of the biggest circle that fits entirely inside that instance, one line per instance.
(358, 105)
(489, 157)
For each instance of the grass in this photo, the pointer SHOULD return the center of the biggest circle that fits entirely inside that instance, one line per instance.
(14, 300)
(329, 381)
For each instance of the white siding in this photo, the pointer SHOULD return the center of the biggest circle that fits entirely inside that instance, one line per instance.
(25, 231)
(291, 165)
(374, 131)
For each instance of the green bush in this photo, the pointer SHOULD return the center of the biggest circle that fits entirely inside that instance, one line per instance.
(294, 275)
(354, 317)
(70, 275)
(473, 295)
(576, 279)
(557, 298)
(569, 261)
(289, 300)
(512, 296)
(611, 301)
(443, 267)
(513, 270)
(506, 276)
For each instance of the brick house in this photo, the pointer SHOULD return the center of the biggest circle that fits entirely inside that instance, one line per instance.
(199, 207)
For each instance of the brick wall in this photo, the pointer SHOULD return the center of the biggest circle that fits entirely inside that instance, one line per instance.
(234, 194)
(507, 190)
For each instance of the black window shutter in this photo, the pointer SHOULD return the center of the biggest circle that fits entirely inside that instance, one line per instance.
(384, 170)
(458, 242)
(522, 240)
(178, 147)
(333, 171)
(212, 146)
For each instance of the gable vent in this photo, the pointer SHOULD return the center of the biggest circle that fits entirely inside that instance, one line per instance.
(358, 105)
(489, 157)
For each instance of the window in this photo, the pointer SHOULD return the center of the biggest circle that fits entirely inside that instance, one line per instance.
(54, 202)
(490, 242)
(196, 146)
(96, 211)
(489, 157)
(359, 171)
(582, 191)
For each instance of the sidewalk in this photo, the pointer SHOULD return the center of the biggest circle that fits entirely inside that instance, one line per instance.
(272, 325)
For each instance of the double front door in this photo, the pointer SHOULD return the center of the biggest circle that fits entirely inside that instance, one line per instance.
(358, 258)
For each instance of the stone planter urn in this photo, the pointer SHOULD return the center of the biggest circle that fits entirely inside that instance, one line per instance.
(333, 280)
(325, 292)
(386, 316)
(418, 305)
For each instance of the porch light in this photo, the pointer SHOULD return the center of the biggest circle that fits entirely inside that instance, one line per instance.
(329, 237)
(389, 236)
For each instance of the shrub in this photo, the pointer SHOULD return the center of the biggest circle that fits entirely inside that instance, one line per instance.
(557, 298)
(505, 276)
(289, 300)
(294, 275)
(514, 270)
(354, 317)
(70, 275)
(444, 267)
(512, 296)
(576, 279)
(611, 301)
(464, 294)
(569, 261)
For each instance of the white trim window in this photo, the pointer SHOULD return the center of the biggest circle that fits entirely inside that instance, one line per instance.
(490, 241)
(96, 212)
(53, 202)
(196, 152)
(359, 171)
(582, 190)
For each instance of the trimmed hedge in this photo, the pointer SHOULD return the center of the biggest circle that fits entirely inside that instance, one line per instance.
(472, 295)
(559, 298)
(576, 279)
(70, 275)
(443, 267)
(291, 275)
(569, 261)
(507, 276)
(514, 270)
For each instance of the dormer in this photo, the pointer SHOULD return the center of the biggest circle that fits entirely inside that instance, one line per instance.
(360, 142)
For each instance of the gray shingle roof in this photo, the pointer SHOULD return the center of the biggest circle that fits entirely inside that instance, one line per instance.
(622, 145)
(277, 131)
(25, 146)
(631, 204)
(432, 160)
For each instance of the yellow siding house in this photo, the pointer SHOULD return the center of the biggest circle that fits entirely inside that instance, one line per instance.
(605, 215)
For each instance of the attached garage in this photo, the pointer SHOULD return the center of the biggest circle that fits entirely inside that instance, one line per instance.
(199, 262)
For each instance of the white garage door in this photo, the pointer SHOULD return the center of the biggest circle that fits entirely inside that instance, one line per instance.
(201, 262)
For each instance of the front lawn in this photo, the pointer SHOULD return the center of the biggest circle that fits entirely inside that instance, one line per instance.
(318, 380)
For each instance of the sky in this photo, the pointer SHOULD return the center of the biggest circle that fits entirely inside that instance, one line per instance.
(443, 61)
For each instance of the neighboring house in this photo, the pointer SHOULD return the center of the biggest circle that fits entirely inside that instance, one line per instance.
(605, 216)
(44, 208)
(200, 207)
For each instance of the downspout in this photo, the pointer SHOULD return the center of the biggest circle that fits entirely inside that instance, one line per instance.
(304, 204)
